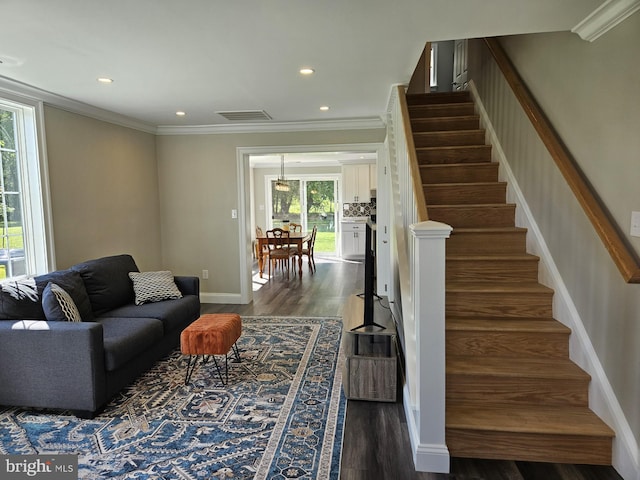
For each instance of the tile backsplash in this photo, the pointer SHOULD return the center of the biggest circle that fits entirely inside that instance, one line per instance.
(353, 209)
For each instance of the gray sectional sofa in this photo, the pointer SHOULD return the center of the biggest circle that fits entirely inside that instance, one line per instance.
(81, 365)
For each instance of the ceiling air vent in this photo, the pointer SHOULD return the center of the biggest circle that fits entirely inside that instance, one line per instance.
(245, 115)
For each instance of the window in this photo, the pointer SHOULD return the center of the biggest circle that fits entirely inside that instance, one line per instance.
(23, 237)
(311, 200)
(433, 64)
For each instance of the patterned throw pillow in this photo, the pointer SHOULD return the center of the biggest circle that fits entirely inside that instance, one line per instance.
(154, 286)
(19, 299)
(58, 304)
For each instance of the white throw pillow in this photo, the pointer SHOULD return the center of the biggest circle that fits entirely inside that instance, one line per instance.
(154, 286)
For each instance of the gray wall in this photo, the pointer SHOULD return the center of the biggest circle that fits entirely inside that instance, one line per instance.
(198, 178)
(104, 190)
(590, 93)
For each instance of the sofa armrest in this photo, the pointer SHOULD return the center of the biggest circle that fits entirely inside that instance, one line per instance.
(188, 285)
(60, 366)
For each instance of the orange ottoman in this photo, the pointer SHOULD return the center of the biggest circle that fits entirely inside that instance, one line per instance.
(210, 335)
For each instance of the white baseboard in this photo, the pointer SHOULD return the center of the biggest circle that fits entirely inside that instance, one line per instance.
(208, 297)
(426, 457)
(602, 399)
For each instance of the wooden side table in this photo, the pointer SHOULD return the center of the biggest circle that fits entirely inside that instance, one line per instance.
(371, 360)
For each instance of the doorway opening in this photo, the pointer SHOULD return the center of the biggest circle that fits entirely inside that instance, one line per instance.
(306, 163)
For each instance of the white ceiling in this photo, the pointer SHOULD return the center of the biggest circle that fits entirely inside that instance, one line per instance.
(204, 56)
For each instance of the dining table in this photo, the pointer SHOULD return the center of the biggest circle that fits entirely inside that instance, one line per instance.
(295, 238)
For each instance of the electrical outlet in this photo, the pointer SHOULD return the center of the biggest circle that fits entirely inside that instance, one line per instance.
(205, 274)
(361, 209)
(635, 224)
(234, 213)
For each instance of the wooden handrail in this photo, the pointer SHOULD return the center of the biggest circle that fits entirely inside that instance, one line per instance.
(623, 255)
(418, 190)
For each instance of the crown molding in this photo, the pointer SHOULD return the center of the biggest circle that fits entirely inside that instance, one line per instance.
(280, 127)
(73, 106)
(13, 86)
(605, 17)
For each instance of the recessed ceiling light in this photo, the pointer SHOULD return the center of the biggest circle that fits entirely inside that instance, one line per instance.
(105, 80)
(180, 113)
(324, 108)
(307, 71)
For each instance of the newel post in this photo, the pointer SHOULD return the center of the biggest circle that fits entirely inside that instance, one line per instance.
(428, 293)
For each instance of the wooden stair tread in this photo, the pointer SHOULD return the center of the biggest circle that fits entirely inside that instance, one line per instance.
(446, 117)
(530, 418)
(497, 287)
(488, 229)
(456, 165)
(492, 257)
(452, 132)
(518, 367)
(438, 98)
(462, 184)
(414, 108)
(474, 205)
(453, 147)
(521, 325)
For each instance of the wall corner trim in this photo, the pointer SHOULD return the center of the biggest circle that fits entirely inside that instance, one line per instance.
(605, 17)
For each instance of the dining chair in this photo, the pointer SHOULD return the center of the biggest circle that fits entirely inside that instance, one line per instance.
(279, 250)
(294, 227)
(265, 248)
(308, 251)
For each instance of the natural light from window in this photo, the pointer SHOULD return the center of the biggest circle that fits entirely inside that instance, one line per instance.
(23, 245)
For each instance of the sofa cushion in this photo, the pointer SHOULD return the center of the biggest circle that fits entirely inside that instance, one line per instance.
(107, 281)
(125, 338)
(154, 286)
(174, 314)
(71, 282)
(19, 299)
(58, 305)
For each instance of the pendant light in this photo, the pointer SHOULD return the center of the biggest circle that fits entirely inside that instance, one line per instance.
(281, 184)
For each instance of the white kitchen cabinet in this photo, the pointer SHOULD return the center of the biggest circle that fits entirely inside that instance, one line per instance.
(353, 239)
(373, 176)
(356, 183)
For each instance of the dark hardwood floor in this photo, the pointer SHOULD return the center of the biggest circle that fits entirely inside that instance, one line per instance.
(376, 442)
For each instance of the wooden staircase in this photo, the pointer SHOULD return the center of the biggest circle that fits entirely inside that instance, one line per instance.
(512, 391)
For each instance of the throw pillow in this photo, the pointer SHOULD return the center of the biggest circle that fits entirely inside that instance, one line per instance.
(58, 304)
(154, 286)
(19, 299)
(71, 282)
(107, 281)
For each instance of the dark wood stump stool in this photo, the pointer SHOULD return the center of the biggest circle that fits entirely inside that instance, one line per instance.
(210, 335)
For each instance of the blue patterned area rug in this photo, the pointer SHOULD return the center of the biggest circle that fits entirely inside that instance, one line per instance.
(281, 415)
